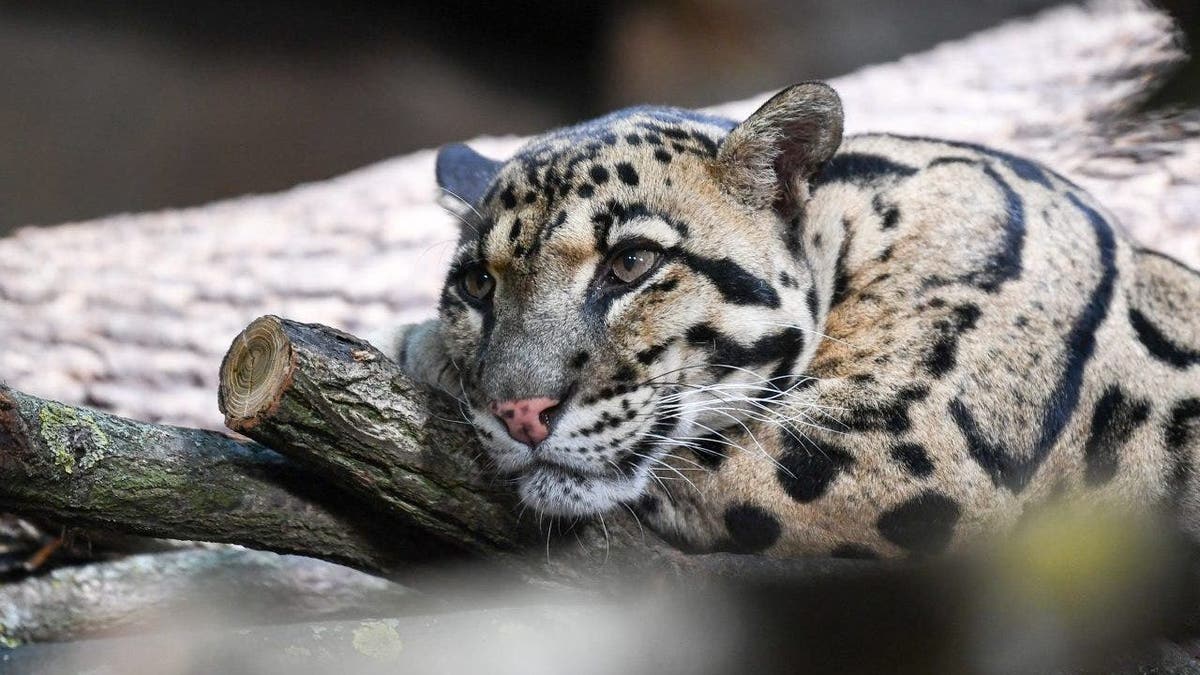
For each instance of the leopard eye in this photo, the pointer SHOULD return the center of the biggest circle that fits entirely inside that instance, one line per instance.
(477, 283)
(629, 266)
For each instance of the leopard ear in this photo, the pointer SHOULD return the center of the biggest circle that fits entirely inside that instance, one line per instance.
(464, 176)
(767, 160)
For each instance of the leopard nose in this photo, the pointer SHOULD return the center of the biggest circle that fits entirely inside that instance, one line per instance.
(528, 419)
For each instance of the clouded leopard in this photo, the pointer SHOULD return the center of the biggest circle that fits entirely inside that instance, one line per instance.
(765, 337)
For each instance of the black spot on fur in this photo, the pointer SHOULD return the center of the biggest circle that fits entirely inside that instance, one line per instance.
(711, 451)
(663, 286)
(1081, 340)
(1080, 343)
(1179, 427)
(841, 275)
(579, 360)
(709, 145)
(890, 218)
(1180, 436)
(889, 214)
(633, 139)
(662, 156)
(734, 282)
(792, 236)
(726, 351)
(1005, 264)
(1159, 345)
(651, 354)
(808, 467)
(530, 197)
(626, 173)
(914, 458)
(860, 168)
(995, 459)
(854, 552)
(810, 300)
(941, 161)
(586, 191)
(752, 529)
(923, 524)
(886, 415)
(601, 224)
(648, 505)
(599, 174)
(943, 353)
(508, 198)
(1115, 419)
(1024, 168)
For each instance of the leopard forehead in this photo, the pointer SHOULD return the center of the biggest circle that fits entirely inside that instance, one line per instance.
(566, 190)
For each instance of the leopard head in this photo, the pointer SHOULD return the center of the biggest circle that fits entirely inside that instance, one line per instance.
(632, 285)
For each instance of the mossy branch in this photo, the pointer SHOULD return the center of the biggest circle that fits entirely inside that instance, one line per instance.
(83, 467)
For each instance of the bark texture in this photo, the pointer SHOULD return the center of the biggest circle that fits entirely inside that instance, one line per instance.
(89, 468)
(339, 407)
(132, 313)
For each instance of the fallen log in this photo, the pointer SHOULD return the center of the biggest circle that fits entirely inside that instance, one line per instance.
(88, 468)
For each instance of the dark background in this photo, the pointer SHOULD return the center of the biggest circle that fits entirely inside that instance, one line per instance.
(128, 106)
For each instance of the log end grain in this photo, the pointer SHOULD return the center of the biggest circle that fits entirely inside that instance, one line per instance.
(255, 373)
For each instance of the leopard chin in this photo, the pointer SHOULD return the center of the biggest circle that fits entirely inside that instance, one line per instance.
(557, 491)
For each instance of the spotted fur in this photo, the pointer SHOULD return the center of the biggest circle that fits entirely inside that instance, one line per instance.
(875, 346)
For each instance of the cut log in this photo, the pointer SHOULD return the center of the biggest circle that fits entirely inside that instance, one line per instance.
(342, 409)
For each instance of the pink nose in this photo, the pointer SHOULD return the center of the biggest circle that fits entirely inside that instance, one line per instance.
(527, 419)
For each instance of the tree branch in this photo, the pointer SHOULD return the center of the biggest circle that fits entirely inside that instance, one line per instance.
(377, 474)
(341, 408)
(87, 468)
(335, 404)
